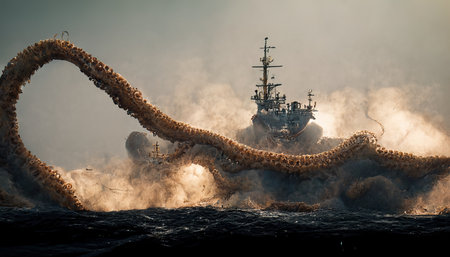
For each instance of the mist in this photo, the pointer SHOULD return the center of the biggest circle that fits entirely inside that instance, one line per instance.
(175, 51)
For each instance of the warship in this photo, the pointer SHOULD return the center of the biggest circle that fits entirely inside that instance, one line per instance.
(274, 116)
(141, 150)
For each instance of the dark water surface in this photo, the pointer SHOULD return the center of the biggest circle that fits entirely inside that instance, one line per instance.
(59, 232)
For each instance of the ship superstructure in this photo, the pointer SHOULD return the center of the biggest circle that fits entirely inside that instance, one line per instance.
(273, 114)
(156, 157)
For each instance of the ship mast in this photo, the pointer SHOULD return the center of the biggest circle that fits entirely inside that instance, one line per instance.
(310, 94)
(266, 60)
(155, 151)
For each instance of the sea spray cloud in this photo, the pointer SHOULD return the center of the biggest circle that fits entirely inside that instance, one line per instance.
(122, 185)
(203, 103)
(405, 128)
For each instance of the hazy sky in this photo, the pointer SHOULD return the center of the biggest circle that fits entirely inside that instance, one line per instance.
(172, 49)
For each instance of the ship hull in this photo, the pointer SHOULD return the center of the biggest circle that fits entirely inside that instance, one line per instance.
(282, 123)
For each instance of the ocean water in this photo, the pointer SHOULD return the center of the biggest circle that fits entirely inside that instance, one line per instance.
(209, 230)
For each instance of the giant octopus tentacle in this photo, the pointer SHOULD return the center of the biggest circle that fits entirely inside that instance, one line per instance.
(19, 159)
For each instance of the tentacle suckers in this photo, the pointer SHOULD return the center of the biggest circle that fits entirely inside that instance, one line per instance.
(19, 160)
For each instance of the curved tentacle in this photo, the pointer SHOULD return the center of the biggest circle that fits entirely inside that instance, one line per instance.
(27, 62)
